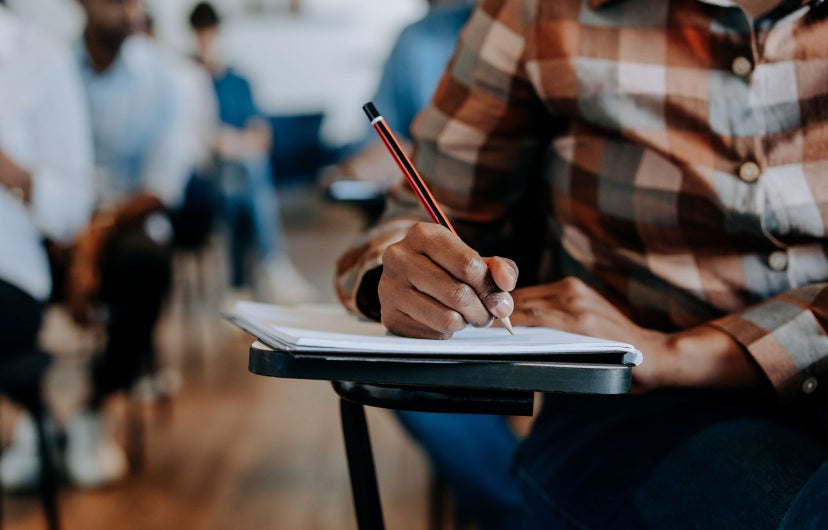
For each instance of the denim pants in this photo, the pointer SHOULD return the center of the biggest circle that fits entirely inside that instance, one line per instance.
(248, 193)
(669, 460)
(473, 453)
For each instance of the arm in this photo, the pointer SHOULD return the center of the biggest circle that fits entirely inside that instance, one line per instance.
(58, 186)
(780, 343)
(252, 141)
(474, 159)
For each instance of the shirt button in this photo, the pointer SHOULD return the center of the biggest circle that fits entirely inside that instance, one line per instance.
(778, 260)
(809, 385)
(749, 172)
(741, 66)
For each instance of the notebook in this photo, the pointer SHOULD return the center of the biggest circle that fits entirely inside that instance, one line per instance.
(330, 329)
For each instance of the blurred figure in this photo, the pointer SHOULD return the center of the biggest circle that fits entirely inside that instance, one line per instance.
(193, 219)
(45, 191)
(242, 149)
(409, 79)
(123, 260)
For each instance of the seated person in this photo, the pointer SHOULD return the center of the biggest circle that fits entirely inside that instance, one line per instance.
(122, 262)
(409, 78)
(242, 147)
(45, 191)
(681, 174)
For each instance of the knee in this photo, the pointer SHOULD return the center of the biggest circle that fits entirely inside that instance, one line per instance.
(745, 473)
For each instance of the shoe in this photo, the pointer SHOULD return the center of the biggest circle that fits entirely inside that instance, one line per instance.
(284, 285)
(20, 462)
(93, 457)
(163, 384)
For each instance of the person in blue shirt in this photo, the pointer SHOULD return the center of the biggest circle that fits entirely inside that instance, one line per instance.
(123, 260)
(245, 180)
(409, 78)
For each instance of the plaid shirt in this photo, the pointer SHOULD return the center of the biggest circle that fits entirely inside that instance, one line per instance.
(677, 151)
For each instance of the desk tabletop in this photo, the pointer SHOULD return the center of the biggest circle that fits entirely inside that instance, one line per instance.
(533, 375)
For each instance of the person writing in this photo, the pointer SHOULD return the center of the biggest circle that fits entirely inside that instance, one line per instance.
(681, 176)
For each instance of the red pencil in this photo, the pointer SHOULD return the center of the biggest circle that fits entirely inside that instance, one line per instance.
(413, 177)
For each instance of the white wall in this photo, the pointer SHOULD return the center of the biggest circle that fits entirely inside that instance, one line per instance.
(328, 58)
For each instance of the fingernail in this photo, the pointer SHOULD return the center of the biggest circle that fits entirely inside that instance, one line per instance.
(503, 308)
(512, 274)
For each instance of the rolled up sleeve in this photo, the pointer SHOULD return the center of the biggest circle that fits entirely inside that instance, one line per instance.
(787, 335)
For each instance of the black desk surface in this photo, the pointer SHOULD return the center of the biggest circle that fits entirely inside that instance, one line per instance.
(571, 375)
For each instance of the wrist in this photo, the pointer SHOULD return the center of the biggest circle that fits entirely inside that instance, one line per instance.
(20, 188)
(707, 357)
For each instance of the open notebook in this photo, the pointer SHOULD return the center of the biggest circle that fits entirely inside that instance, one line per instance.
(332, 330)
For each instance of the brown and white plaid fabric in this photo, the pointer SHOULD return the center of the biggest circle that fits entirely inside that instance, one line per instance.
(682, 151)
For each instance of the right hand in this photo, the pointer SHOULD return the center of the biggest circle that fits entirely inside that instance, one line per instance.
(433, 285)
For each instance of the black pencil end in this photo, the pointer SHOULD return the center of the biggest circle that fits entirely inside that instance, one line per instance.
(371, 111)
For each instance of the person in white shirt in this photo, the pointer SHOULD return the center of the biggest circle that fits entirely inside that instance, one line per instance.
(45, 192)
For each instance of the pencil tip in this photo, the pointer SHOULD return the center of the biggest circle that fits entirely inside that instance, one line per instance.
(506, 323)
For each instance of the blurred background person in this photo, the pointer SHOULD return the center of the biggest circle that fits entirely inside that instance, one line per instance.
(193, 218)
(409, 79)
(45, 191)
(245, 176)
(123, 259)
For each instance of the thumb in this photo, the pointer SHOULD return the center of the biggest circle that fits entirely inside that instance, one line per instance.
(503, 274)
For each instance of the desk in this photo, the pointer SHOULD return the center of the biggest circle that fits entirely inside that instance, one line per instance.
(469, 385)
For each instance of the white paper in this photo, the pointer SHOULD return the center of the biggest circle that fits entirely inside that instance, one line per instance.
(332, 329)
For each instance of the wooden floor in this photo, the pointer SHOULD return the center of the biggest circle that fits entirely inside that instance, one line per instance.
(236, 451)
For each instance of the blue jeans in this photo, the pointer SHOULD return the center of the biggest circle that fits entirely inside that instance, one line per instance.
(474, 454)
(248, 192)
(810, 509)
(667, 460)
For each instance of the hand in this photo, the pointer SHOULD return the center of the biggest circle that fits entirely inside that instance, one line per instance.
(433, 285)
(84, 279)
(13, 177)
(698, 357)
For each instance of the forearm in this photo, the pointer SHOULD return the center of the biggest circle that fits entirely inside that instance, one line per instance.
(131, 211)
(705, 357)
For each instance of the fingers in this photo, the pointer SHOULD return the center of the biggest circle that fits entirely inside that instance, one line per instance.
(504, 272)
(427, 278)
(418, 315)
(502, 278)
(541, 316)
(433, 284)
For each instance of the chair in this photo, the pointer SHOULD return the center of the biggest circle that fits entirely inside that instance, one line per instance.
(298, 152)
(20, 380)
(429, 384)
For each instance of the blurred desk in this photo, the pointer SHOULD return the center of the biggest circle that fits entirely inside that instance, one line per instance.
(467, 385)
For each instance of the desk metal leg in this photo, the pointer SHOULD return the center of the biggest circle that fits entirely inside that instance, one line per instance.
(361, 466)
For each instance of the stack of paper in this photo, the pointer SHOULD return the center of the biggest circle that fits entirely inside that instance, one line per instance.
(330, 329)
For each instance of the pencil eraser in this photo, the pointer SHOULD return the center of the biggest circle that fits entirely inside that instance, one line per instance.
(371, 111)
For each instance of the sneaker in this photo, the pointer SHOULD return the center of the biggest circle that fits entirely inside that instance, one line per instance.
(93, 457)
(20, 462)
(284, 285)
(163, 384)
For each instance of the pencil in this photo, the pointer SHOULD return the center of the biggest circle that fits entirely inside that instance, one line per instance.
(413, 177)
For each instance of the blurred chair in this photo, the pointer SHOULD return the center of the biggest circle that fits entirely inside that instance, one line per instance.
(193, 224)
(365, 196)
(298, 152)
(20, 379)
